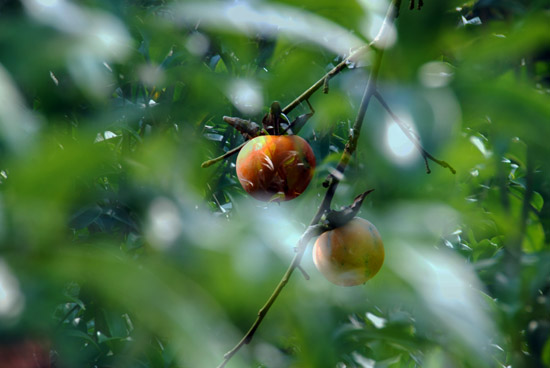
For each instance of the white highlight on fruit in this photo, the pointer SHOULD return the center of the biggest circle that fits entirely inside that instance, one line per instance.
(267, 162)
(246, 182)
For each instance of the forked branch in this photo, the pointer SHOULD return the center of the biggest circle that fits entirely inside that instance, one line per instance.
(314, 229)
(323, 82)
(303, 97)
(413, 137)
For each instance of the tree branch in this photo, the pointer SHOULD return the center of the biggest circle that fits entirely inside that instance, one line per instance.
(324, 79)
(303, 97)
(412, 137)
(66, 315)
(315, 229)
(311, 232)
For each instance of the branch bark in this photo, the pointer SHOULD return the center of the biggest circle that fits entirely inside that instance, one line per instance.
(311, 232)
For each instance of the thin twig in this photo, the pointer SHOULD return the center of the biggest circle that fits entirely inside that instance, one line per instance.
(314, 229)
(304, 272)
(351, 145)
(323, 82)
(527, 196)
(304, 96)
(225, 155)
(412, 137)
(311, 231)
(215, 198)
(69, 312)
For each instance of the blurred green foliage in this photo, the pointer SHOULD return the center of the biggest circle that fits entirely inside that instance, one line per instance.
(118, 250)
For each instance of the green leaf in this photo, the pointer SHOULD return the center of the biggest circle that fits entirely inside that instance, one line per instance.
(537, 201)
(534, 237)
(546, 353)
(115, 323)
(220, 67)
(82, 335)
(518, 190)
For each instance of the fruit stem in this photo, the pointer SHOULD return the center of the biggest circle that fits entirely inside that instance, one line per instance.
(225, 155)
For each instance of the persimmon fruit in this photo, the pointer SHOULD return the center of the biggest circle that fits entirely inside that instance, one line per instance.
(351, 254)
(275, 167)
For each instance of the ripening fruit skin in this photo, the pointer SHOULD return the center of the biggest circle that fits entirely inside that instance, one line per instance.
(351, 254)
(275, 167)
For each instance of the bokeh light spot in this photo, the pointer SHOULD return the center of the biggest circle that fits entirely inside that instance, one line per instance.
(435, 74)
(164, 223)
(246, 95)
(11, 299)
(399, 146)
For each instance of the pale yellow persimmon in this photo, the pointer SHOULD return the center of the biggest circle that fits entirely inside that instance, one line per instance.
(351, 254)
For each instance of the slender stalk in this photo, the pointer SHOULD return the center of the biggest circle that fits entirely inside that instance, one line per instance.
(69, 312)
(529, 182)
(225, 155)
(324, 79)
(263, 311)
(314, 229)
(311, 231)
